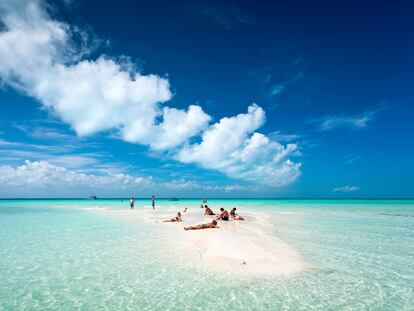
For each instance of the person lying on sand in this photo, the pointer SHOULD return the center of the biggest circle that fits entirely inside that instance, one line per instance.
(208, 211)
(223, 215)
(175, 219)
(234, 215)
(212, 225)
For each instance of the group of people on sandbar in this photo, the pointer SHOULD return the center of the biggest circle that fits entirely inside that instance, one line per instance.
(221, 215)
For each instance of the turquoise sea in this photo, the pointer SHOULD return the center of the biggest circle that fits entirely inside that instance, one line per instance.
(67, 255)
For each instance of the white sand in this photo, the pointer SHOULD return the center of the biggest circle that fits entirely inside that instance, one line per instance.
(237, 246)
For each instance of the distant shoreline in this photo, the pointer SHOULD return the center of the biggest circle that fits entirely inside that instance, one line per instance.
(201, 198)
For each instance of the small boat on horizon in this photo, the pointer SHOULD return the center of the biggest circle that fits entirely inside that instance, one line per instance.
(93, 197)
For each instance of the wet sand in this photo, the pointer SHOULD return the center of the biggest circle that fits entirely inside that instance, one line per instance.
(247, 247)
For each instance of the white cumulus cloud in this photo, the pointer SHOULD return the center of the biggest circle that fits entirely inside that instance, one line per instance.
(38, 56)
(232, 146)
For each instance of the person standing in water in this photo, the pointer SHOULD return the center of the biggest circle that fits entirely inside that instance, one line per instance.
(132, 203)
(153, 202)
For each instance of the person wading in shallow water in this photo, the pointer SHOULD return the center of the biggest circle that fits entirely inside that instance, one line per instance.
(132, 203)
(153, 202)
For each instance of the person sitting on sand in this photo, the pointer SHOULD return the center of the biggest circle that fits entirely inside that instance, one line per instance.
(175, 219)
(234, 215)
(208, 211)
(223, 215)
(210, 225)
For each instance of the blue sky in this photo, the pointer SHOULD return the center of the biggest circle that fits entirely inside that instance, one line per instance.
(206, 99)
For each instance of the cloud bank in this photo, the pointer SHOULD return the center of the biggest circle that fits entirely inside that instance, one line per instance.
(40, 57)
(43, 178)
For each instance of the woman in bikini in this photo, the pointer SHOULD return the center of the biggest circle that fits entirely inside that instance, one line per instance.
(211, 225)
(234, 215)
(175, 219)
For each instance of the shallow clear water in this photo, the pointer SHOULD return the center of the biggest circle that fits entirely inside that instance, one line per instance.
(65, 254)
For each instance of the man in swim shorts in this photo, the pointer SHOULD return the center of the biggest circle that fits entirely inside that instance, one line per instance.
(223, 215)
(211, 225)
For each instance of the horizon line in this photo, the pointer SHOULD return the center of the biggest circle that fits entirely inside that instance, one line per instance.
(210, 198)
